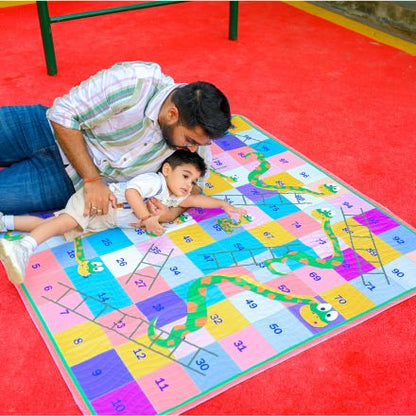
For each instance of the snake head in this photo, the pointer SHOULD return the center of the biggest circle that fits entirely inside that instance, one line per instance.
(254, 153)
(248, 218)
(330, 188)
(324, 213)
(84, 269)
(318, 315)
(182, 218)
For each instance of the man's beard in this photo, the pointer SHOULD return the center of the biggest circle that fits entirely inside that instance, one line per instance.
(167, 133)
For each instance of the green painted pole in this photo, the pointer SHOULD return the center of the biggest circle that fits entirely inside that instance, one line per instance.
(45, 23)
(102, 12)
(233, 26)
(46, 32)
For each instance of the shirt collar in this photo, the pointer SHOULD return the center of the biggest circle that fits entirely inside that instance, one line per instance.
(155, 104)
(164, 186)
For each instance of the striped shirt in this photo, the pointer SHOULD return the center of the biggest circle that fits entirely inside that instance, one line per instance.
(117, 112)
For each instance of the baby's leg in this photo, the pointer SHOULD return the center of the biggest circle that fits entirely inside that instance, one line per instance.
(27, 222)
(20, 222)
(15, 254)
(53, 226)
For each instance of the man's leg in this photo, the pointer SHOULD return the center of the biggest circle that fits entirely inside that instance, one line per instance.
(34, 177)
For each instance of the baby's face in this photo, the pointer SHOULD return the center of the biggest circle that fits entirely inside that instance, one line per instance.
(181, 178)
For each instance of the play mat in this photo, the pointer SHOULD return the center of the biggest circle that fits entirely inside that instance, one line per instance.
(144, 325)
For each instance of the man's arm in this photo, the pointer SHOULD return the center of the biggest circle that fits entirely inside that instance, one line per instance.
(96, 192)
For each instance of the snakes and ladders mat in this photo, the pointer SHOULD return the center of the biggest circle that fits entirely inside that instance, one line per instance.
(145, 325)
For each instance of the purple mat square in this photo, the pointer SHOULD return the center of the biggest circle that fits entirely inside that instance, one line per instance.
(376, 221)
(200, 214)
(167, 307)
(126, 400)
(349, 268)
(256, 194)
(101, 374)
(229, 142)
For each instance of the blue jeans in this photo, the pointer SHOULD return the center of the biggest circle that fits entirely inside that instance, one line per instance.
(34, 177)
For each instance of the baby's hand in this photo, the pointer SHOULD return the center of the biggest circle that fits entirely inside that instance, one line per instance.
(152, 225)
(229, 209)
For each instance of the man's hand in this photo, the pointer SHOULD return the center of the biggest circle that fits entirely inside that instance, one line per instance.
(97, 196)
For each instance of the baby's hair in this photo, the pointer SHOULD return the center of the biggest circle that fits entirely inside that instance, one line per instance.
(181, 157)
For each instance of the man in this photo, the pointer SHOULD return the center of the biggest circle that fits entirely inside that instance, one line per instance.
(120, 122)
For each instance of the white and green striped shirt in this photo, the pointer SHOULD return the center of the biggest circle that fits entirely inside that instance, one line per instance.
(117, 111)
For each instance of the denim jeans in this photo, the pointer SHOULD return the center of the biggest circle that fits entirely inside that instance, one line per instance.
(33, 178)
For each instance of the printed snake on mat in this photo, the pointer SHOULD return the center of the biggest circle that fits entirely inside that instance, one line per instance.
(264, 166)
(301, 257)
(315, 313)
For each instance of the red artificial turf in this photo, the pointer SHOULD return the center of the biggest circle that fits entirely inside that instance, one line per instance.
(342, 99)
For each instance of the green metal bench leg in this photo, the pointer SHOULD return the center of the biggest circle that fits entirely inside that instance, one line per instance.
(45, 28)
(233, 26)
(45, 24)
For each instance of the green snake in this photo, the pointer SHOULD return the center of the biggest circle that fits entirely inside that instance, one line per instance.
(229, 179)
(228, 224)
(182, 218)
(254, 179)
(334, 261)
(85, 267)
(315, 313)
(264, 166)
(322, 215)
(13, 237)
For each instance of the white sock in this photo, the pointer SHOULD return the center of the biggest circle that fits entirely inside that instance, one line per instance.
(8, 221)
(30, 243)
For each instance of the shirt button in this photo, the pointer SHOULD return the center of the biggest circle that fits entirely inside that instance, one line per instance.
(145, 144)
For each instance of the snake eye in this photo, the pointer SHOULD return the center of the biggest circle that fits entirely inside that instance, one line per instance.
(324, 307)
(97, 266)
(328, 212)
(331, 316)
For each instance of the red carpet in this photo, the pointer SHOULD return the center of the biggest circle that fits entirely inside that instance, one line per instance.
(343, 100)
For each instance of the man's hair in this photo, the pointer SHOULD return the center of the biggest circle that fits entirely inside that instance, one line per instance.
(203, 104)
(181, 157)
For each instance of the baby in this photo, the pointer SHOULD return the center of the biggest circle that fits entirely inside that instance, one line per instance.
(172, 185)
